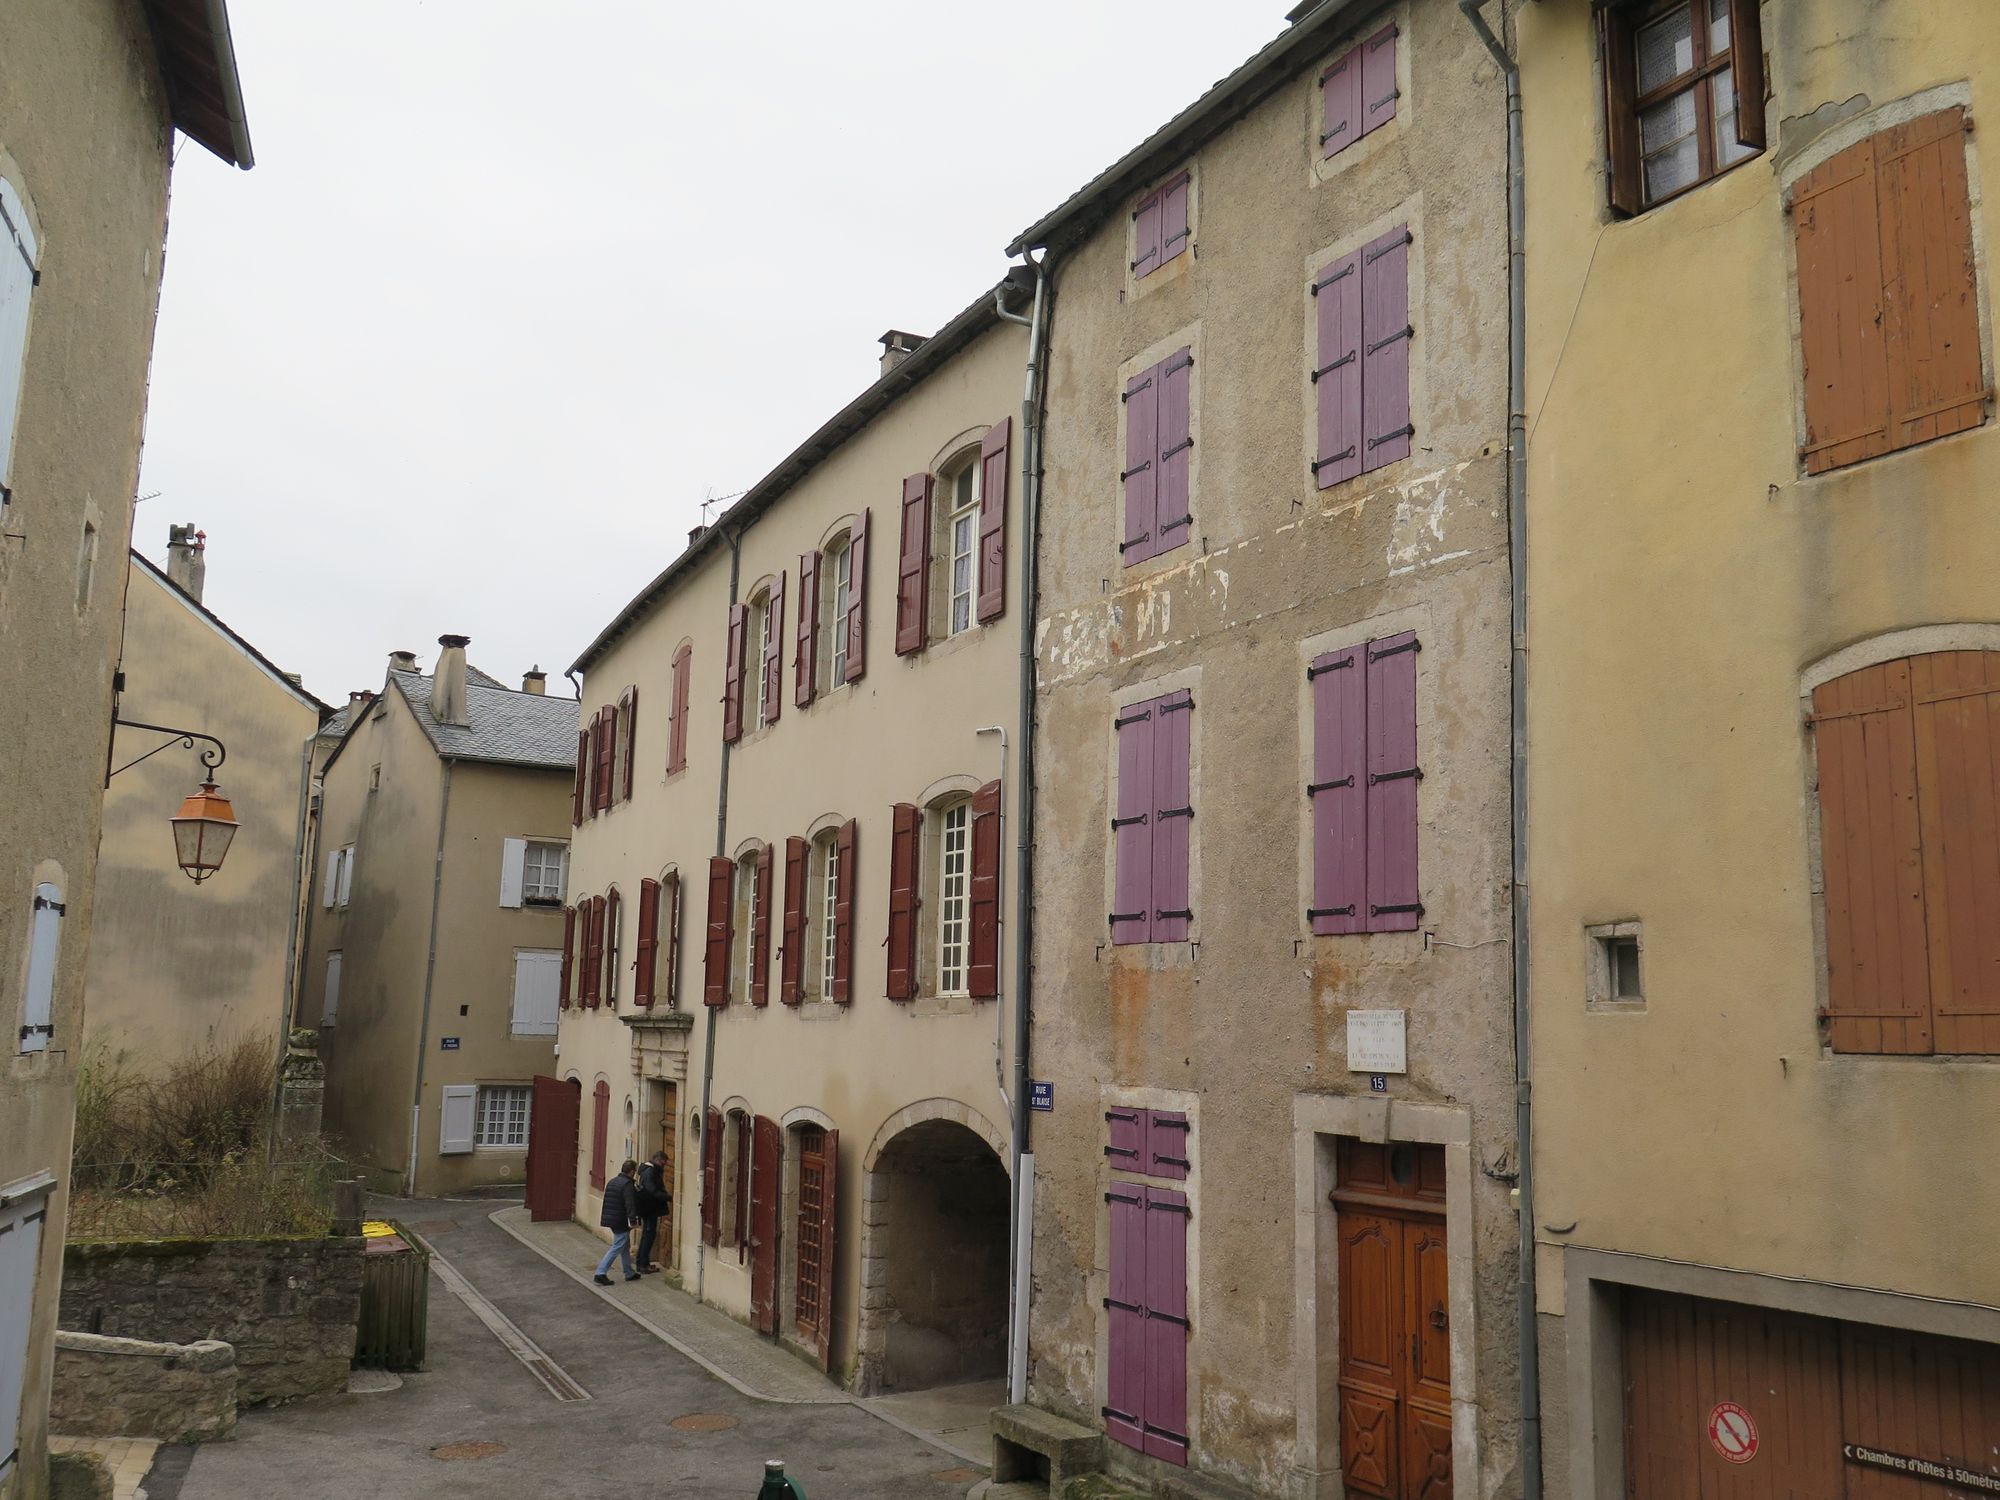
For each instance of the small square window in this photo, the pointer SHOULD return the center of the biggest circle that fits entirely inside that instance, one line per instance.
(1615, 981)
(375, 778)
(544, 872)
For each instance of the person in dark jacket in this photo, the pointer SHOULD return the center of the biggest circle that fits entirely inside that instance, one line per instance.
(621, 1217)
(654, 1200)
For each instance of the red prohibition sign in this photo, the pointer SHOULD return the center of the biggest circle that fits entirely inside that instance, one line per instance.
(1733, 1432)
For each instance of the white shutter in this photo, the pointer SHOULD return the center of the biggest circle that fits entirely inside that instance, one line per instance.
(513, 870)
(18, 255)
(44, 952)
(329, 1007)
(537, 990)
(20, 1251)
(458, 1102)
(346, 873)
(330, 888)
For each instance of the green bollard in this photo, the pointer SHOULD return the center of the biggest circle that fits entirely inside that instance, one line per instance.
(777, 1486)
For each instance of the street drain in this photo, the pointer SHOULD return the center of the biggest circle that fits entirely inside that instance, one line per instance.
(956, 1476)
(703, 1421)
(453, 1452)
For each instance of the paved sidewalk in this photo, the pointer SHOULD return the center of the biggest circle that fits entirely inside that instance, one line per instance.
(125, 1459)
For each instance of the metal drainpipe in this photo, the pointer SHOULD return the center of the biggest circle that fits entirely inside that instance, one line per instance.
(430, 972)
(305, 859)
(715, 1012)
(1517, 546)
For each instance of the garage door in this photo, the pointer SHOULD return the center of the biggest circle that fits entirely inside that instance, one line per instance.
(1727, 1402)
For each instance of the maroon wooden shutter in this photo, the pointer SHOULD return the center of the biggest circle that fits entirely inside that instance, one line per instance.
(715, 950)
(1623, 173)
(582, 774)
(1166, 1146)
(846, 883)
(1170, 529)
(913, 566)
(590, 759)
(607, 754)
(1339, 793)
(1173, 815)
(1126, 1146)
(647, 957)
(1132, 827)
(902, 941)
(1378, 79)
(1166, 1324)
(711, 1177)
(1340, 104)
(672, 989)
(1141, 472)
(600, 1098)
(1746, 62)
(792, 955)
(677, 732)
(805, 643)
(568, 957)
(760, 929)
(614, 913)
(1336, 375)
(1125, 1318)
(857, 599)
(983, 957)
(1174, 217)
(1385, 350)
(774, 652)
(732, 673)
(766, 1143)
(593, 953)
(1146, 235)
(995, 469)
(631, 737)
(1393, 774)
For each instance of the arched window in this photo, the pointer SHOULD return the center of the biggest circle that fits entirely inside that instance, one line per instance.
(836, 593)
(956, 545)
(763, 622)
(951, 927)
(750, 962)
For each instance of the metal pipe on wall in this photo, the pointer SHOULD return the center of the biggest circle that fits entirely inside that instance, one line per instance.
(430, 973)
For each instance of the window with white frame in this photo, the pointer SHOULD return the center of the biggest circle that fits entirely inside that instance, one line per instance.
(954, 896)
(961, 543)
(502, 1115)
(544, 873)
(762, 622)
(836, 587)
(344, 875)
(828, 893)
(614, 918)
(746, 914)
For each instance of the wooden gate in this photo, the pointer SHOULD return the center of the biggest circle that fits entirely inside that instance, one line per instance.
(1395, 1324)
(819, 1207)
(766, 1140)
(552, 1124)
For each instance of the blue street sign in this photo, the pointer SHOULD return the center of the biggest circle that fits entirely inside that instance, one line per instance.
(1041, 1095)
(448, 1044)
(1378, 1083)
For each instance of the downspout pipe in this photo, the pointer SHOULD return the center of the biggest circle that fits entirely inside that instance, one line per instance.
(1517, 546)
(430, 974)
(305, 859)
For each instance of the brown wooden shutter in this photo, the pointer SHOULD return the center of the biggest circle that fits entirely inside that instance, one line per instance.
(677, 732)
(631, 738)
(913, 566)
(732, 673)
(902, 939)
(711, 1177)
(1624, 167)
(857, 600)
(995, 469)
(792, 956)
(774, 652)
(590, 763)
(983, 959)
(647, 958)
(1746, 64)
(614, 913)
(760, 930)
(582, 778)
(607, 754)
(568, 957)
(593, 953)
(766, 1148)
(672, 912)
(1841, 313)
(715, 950)
(599, 1126)
(805, 646)
(846, 882)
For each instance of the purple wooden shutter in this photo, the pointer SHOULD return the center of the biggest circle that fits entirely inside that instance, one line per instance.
(913, 566)
(1125, 1317)
(1340, 104)
(1336, 375)
(805, 649)
(1393, 775)
(1141, 474)
(1174, 218)
(1125, 1147)
(1385, 350)
(1167, 1144)
(1173, 816)
(1146, 236)
(1176, 453)
(1166, 1324)
(1378, 79)
(857, 600)
(1339, 793)
(1132, 827)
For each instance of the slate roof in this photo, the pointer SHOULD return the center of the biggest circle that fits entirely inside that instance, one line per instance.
(506, 728)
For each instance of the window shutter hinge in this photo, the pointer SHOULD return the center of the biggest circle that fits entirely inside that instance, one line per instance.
(1414, 771)
(1330, 911)
(1314, 788)
(1379, 911)
(1117, 823)
(1340, 457)
(1180, 912)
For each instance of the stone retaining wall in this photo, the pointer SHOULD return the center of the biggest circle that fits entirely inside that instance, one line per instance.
(288, 1306)
(112, 1387)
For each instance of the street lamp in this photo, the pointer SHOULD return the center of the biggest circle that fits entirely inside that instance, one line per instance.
(206, 822)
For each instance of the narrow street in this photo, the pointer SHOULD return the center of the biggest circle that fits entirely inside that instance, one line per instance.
(476, 1419)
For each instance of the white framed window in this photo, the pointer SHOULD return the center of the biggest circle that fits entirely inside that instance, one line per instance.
(502, 1116)
(344, 884)
(544, 873)
(537, 991)
(762, 624)
(614, 918)
(961, 544)
(829, 897)
(38, 998)
(329, 1005)
(18, 257)
(954, 896)
(837, 588)
(746, 914)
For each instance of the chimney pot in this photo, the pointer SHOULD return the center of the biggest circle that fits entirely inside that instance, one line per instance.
(535, 681)
(187, 569)
(898, 346)
(696, 532)
(402, 661)
(448, 680)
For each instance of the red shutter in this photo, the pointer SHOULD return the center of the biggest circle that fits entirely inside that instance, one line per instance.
(613, 915)
(607, 754)
(983, 959)
(568, 956)
(766, 1147)
(1166, 1144)
(1174, 217)
(760, 929)
(845, 885)
(996, 467)
(631, 738)
(774, 652)
(1146, 236)
(593, 953)
(1378, 79)
(715, 951)
(1170, 529)
(672, 989)
(1173, 816)
(1339, 793)
(711, 1177)
(601, 1101)
(677, 732)
(649, 944)
(1340, 104)
(1126, 1147)
(1393, 904)
(1385, 350)
(732, 673)
(913, 566)
(857, 600)
(805, 644)
(792, 956)
(1141, 473)
(590, 760)
(1125, 1318)
(1132, 827)
(582, 774)
(1166, 1324)
(902, 943)
(1336, 376)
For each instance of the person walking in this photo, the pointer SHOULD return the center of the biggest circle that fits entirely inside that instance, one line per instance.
(621, 1217)
(654, 1201)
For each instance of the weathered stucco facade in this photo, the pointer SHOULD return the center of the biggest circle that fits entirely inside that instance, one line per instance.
(1690, 590)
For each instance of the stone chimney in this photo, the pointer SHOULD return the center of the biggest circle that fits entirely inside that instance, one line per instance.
(448, 680)
(697, 532)
(898, 346)
(535, 681)
(402, 661)
(186, 568)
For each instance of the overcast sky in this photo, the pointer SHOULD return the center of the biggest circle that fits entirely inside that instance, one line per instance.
(514, 285)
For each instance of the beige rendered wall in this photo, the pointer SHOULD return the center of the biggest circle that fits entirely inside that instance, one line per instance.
(84, 141)
(176, 966)
(1244, 1027)
(1683, 576)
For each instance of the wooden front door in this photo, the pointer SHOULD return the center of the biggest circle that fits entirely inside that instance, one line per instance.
(812, 1313)
(764, 1152)
(1395, 1324)
(553, 1106)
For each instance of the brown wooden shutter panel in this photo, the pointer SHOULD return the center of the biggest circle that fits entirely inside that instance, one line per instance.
(846, 882)
(715, 948)
(614, 913)
(760, 930)
(983, 958)
(677, 732)
(902, 939)
(996, 467)
(593, 953)
(732, 673)
(649, 944)
(590, 763)
(805, 647)
(582, 778)
(774, 652)
(1841, 350)
(711, 1177)
(607, 753)
(913, 566)
(792, 956)
(672, 912)
(568, 957)
(1746, 64)
(829, 1221)
(857, 600)
(1624, 167)
(631, 737)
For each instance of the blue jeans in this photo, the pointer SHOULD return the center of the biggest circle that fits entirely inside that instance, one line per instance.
(621, 1249)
